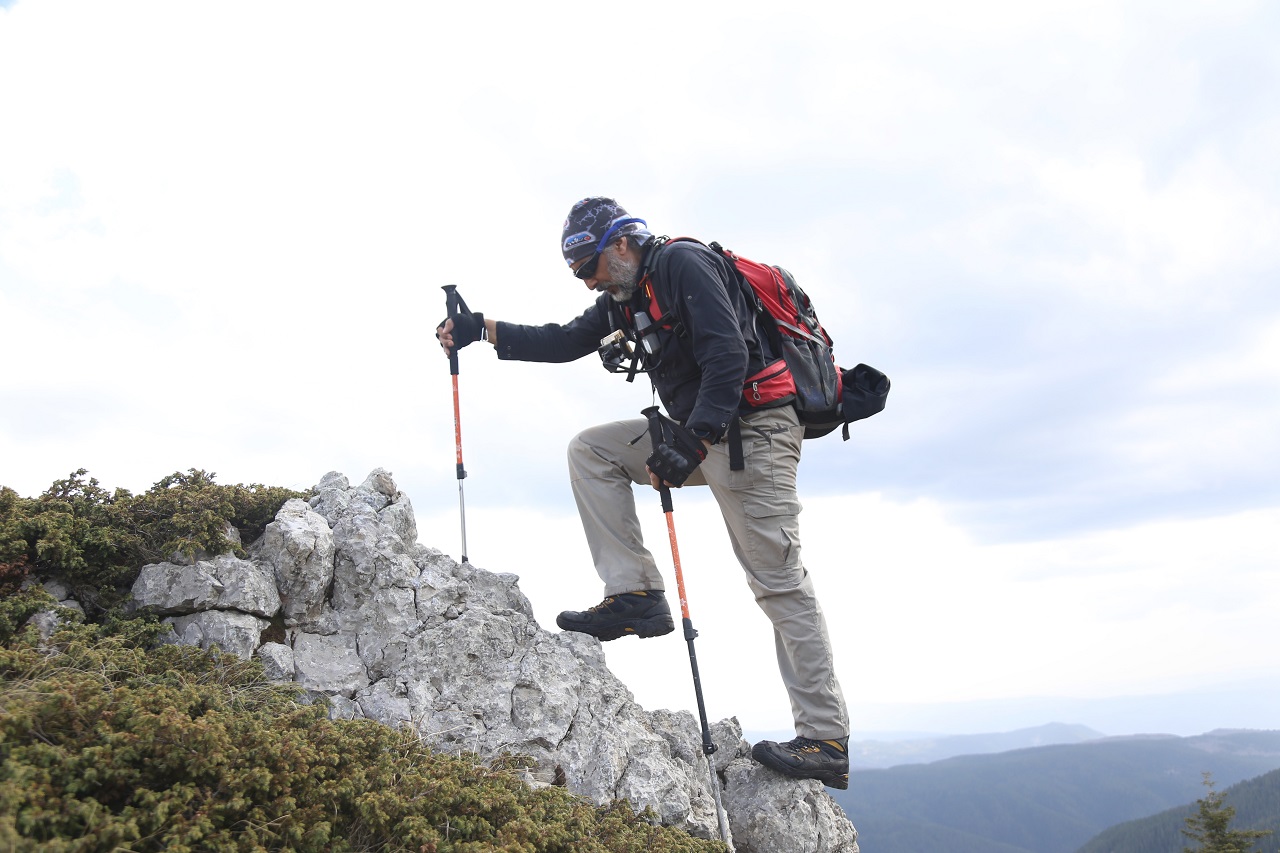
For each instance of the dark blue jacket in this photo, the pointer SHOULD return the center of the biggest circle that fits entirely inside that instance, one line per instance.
(708, 345)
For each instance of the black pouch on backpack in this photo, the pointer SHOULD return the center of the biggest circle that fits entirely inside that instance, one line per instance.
(863, 394)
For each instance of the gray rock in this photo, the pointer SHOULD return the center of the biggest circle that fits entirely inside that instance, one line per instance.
(342, 708)
(386, 701)
(333, 481)
(376, 491)
(277, 661)
(380, 481)
(298, 548)
(398, 515)
(57, 589)
(231, 631)
(51, 620)
(332, 497)
(768, 813)
(369, 557)
(328, 664)
(48, 622)
(173, 588)
(223, 583)
(727, 736)
(509, 685)
(383, 629)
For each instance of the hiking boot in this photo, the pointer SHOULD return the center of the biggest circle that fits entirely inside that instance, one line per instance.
(630, 614)
(802, 758)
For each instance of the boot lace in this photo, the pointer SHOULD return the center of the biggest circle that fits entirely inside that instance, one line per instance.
(803, 744)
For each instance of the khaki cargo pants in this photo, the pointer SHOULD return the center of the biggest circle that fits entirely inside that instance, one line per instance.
(761, 512)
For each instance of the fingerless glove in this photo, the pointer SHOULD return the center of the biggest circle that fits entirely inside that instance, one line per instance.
(468, 327)
(677, 457)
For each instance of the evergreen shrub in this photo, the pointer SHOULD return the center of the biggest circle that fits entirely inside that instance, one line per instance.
(96, 541)
(108, 742)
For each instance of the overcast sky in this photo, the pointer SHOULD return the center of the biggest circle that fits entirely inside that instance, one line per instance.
(224, 229)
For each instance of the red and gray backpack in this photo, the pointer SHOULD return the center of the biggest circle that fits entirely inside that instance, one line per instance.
(800, 366)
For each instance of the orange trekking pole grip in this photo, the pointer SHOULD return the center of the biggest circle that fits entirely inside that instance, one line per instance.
(453, 302)
(708, 745)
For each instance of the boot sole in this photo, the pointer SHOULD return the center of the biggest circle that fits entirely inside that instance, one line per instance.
(655, 626)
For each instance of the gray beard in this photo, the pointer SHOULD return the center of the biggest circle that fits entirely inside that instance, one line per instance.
(624, 275)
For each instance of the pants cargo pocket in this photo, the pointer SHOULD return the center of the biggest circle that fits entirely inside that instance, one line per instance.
(771, 528)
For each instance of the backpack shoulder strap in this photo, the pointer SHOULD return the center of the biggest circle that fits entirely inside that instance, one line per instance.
(661, 316)
(764, 320)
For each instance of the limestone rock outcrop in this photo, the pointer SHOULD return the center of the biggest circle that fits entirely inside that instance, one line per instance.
(388, 629)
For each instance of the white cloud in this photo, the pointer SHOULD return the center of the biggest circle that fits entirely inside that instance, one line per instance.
(1207, 221)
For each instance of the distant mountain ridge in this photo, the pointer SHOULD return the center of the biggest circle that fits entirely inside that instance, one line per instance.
(1049, 799)
(1246, 702)
(891, 749)
(868, 754)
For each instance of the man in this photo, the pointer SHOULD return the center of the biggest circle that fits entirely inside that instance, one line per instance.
(697, 338)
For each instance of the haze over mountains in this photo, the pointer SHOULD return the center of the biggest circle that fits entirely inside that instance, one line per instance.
(868, 754)
(1239, 704)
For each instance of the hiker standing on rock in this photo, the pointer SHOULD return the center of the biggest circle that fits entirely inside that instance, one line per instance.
(699, 342)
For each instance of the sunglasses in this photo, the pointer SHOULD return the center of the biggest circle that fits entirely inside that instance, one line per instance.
(588, 270)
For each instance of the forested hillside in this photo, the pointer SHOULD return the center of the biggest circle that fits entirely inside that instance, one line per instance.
(1046, 799)
(1257, 805)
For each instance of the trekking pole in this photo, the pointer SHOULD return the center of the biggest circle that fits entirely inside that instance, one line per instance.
(452, 302)
(708, 745)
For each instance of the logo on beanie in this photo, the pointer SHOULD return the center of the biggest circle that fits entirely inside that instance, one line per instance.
(579, 239)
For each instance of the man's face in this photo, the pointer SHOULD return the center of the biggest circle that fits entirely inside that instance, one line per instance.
(623, 276)
(617, 272)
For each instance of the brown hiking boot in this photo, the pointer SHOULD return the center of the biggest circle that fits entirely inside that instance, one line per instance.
(803, 758)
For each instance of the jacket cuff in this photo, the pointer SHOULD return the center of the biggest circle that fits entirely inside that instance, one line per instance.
(709, 425)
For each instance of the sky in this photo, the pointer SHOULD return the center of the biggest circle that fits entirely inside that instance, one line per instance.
(224, 229)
